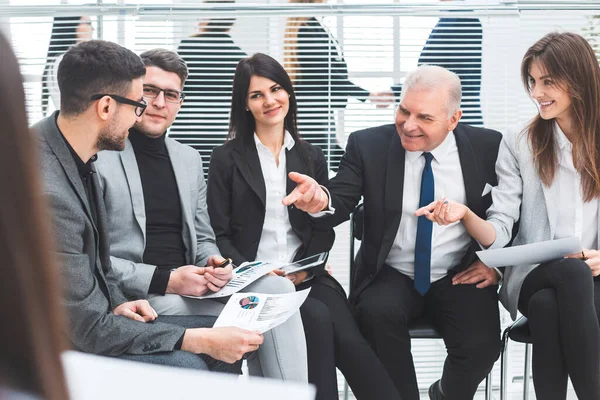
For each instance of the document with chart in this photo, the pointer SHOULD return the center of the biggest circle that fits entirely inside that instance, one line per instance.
(260, 312)
(243, 275)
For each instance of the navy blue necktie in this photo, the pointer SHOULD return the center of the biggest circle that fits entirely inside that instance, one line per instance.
(424, 229)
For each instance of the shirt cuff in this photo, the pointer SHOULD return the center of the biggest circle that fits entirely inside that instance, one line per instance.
(159, 282)
(328, 211)
(501, 275)
(179, 343)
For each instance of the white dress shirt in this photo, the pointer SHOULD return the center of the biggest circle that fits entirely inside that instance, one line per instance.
(575, 217)
(448, 243)
(278, 241)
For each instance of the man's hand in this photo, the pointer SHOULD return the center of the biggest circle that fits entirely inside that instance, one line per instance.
(139, 310)
(217, 277)
(382, 99)
(188, 280)
(227, 344)
(591, 258)
(297, 277)
(478, 273)
(307, 195)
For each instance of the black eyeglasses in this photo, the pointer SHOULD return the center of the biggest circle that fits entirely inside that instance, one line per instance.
(140, 106)
(171, 96)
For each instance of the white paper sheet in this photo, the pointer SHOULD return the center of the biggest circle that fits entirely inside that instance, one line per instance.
(92, 377)
(260, 312)
(528, 254)
(243, 275)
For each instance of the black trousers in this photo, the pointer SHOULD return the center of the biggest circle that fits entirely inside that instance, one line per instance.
(467, 317)
(561, 300)
(334, 340)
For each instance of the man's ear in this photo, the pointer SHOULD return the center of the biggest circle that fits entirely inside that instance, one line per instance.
(104, 107)
(453, 120)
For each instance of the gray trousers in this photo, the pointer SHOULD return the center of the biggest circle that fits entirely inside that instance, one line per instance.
(283, 353)
(185, 359)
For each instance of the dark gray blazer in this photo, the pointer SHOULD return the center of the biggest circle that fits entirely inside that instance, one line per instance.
(90, 289)
(123, 196)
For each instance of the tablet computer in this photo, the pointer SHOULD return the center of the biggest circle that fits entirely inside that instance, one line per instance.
(305, 263)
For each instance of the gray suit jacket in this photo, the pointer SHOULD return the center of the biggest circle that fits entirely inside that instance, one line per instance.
(90, 291)
(124, 200)
(520, 196)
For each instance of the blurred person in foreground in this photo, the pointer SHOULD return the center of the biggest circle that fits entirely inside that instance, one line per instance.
(30, 338)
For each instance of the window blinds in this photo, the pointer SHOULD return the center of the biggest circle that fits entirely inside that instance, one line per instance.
(341, 55)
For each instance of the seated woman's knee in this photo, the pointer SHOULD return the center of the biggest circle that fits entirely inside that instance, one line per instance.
(543, 301)
(572, 269)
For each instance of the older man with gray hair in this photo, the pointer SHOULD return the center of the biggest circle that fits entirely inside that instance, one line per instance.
(407, 268)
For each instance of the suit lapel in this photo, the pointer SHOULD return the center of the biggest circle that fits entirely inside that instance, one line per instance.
(472, 175)
(103, 239)
(551, 197)
(59, 148)
(134, 181)
(394, 186)
(297, 219)
(246, 158)
(293, 162)
(183, 187)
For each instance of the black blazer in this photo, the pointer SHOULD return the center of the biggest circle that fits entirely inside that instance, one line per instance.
(373, 168)
(237, 195)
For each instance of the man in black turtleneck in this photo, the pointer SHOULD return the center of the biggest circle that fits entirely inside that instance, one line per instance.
(162, 244)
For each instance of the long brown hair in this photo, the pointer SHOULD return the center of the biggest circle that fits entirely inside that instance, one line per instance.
(290, 47)
(570, 61)
(31, 337)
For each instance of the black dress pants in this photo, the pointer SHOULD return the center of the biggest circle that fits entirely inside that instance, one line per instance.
(466, 317)
(334, 340)
(561, 300)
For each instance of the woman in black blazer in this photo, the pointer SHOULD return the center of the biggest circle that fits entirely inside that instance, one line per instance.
(245, 187)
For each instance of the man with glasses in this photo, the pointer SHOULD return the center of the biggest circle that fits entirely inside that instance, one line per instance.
(101, 98)
(162, 244)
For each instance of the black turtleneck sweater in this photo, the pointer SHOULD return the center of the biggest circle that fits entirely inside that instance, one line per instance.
(164, 217)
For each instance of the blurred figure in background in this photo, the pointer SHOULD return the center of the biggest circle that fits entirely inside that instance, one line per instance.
(30, 338)
(320, 76)
(455, 44)
(66, 32)
(211, 57)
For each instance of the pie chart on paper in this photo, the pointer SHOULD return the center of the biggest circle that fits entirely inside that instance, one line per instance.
(250, 302)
